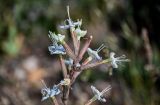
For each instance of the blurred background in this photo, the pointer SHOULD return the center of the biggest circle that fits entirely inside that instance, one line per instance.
(129, 27)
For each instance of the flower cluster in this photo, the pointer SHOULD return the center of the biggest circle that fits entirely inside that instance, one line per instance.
(50, 92)
(56, 48)
(55, 90)
(73, 67)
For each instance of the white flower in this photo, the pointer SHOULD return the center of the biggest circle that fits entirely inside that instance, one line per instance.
(49, 93)
(66, 81)
(74, 24)
(71, 24)
(94, 53)
(79, 33)
(98, 94)
(57, 49)
(56, 38)
(117, 60)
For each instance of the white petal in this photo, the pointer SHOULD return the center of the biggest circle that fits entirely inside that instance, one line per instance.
(114, 64)
(103, 99)
(64, 27)
(94, 90)
(112, 54)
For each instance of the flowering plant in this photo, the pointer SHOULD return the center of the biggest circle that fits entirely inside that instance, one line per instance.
(72, 68)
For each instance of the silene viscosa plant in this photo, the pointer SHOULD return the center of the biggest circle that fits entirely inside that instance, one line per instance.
(72, 67)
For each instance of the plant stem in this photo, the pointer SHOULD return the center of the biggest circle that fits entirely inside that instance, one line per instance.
(68, 50)
(75, 41)
(55, 100)
(64, 69)
(87, 61)
(74, 38)
(66, 91)
(84, 49)
(78, 47)
(95, 64)
(91, 100)
(77, 73)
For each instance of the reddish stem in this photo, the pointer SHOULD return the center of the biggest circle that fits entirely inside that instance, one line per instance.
(84, 49)
(69, 51)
